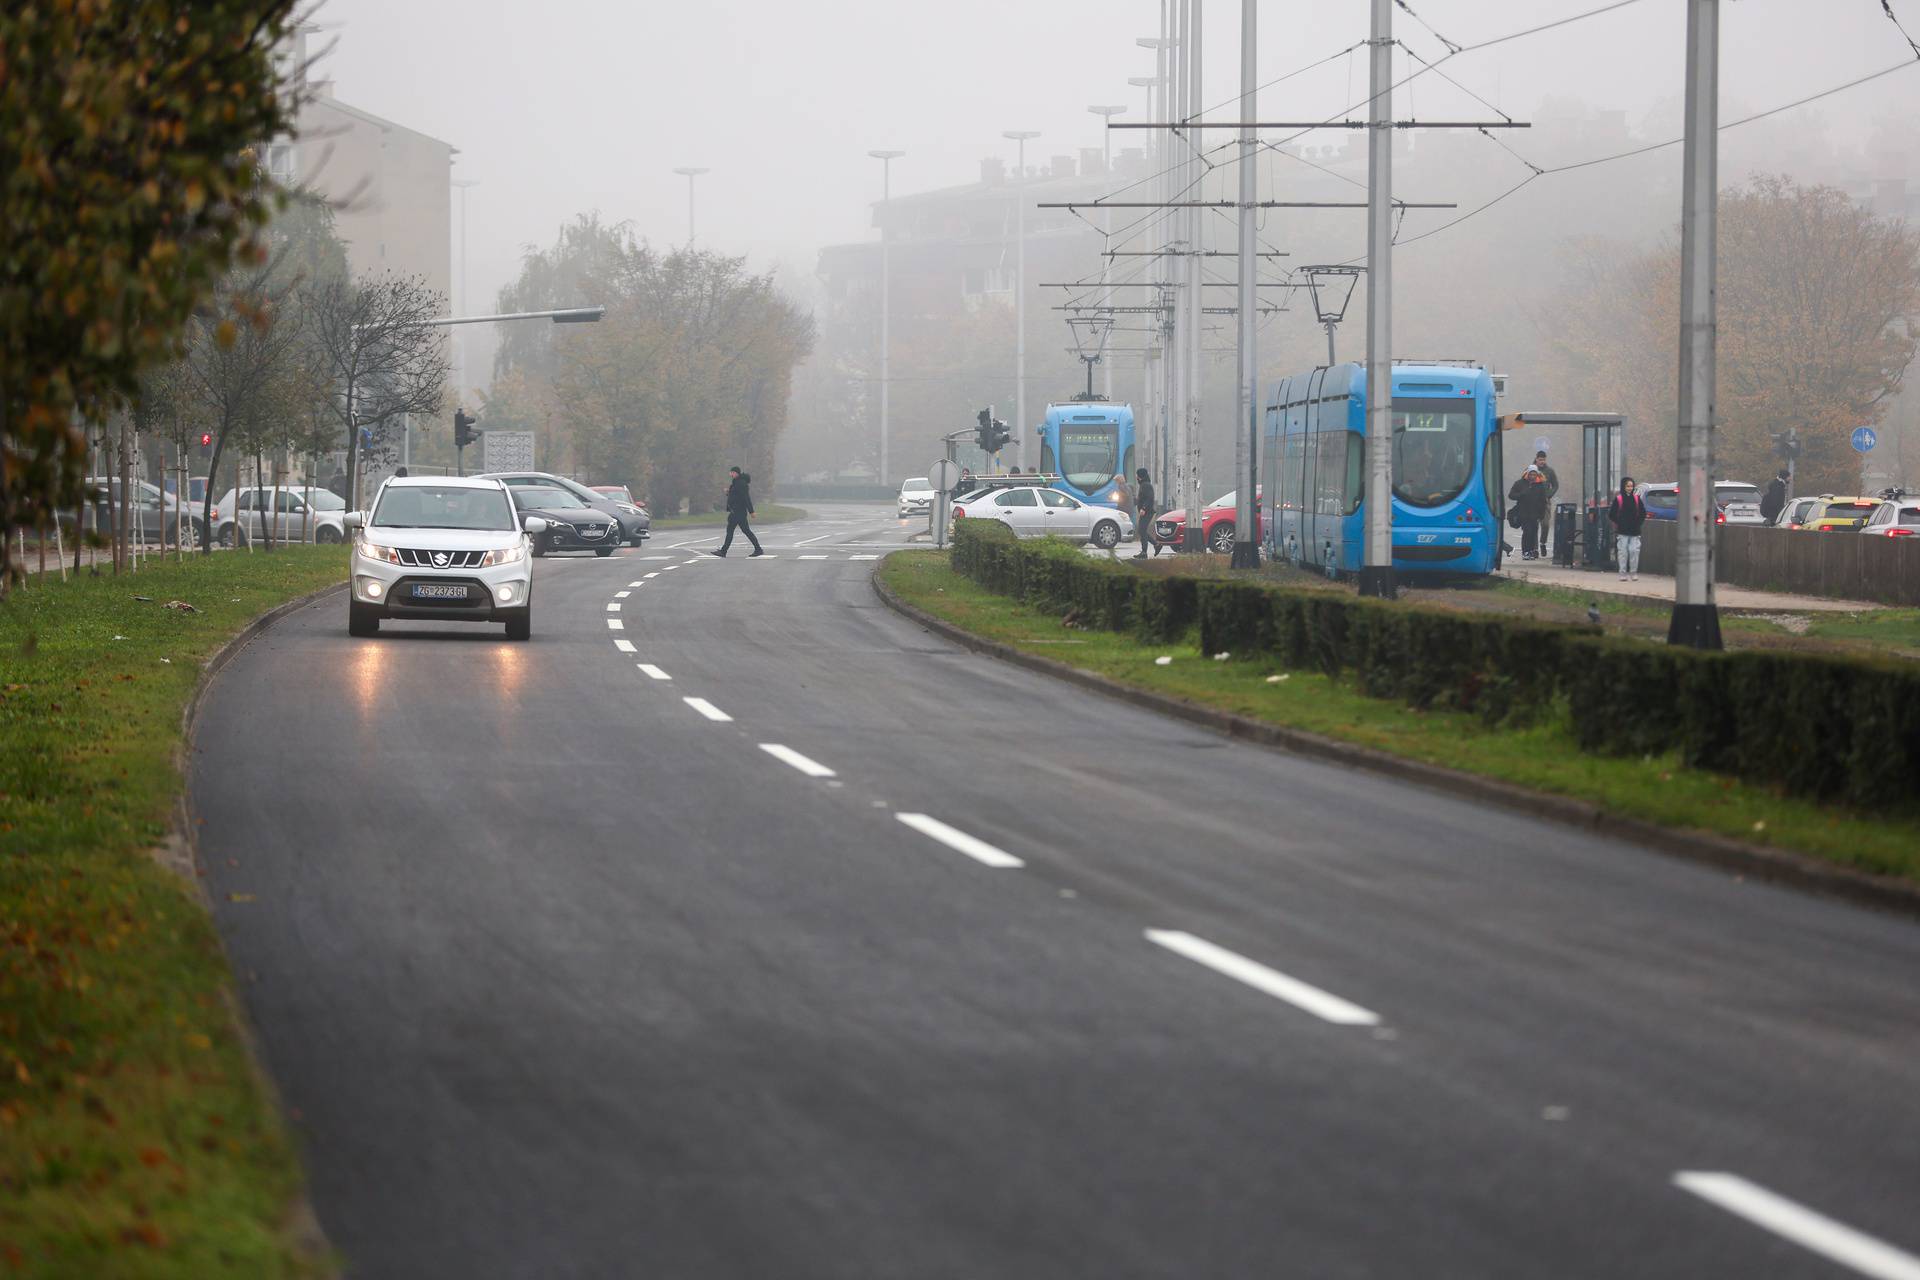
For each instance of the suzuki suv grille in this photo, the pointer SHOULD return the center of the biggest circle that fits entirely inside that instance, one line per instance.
(440, 559)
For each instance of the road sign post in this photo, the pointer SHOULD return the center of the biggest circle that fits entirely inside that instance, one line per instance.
(943, 475)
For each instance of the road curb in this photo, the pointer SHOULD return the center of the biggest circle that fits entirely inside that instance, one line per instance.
(1777, 866)
(181, 853)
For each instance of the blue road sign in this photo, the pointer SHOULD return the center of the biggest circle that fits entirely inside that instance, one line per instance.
(1864, 439)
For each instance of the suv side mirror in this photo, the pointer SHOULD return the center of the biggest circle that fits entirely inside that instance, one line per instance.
(535, 525)
(353, 520)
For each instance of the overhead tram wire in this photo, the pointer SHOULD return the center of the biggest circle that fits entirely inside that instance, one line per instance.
(1887, 6)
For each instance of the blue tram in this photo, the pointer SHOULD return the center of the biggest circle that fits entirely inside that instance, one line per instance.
(1087, 443)
(1448, 495)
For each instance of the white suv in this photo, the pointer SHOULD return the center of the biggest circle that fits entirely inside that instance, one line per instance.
(445, 548)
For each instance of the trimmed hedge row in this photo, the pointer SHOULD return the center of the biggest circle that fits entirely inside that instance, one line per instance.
(1828, 728)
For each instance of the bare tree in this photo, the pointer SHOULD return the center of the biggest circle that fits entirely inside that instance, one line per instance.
(376, 344)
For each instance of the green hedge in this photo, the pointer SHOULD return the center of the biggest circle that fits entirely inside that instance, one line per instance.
(1829, 728)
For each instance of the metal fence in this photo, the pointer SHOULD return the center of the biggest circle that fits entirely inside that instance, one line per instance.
(1841, 566)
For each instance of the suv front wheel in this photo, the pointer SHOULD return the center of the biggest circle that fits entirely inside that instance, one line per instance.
(362, 621)
(520, 625)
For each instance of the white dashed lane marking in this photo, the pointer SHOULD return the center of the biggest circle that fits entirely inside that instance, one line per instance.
(652, 671)
(787, 755)
(613, 606)
(614, 624)
(1813, 1231)
(624, 646)
(707, 709)
(954, 838)
(1321, 1004)
(622, 595)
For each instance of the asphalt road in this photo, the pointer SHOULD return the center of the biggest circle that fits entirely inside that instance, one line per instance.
(561, 975)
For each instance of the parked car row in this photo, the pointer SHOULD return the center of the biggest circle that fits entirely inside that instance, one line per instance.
(1895, 515)
(630, 521)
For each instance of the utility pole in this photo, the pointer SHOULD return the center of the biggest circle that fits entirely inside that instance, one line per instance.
(886, 159)
(1106, 114)
(465, 300)
(1020, 297)
(1190, 433)
(690, 173)
(1696, 618)
(1376, 565)
(1246, 547)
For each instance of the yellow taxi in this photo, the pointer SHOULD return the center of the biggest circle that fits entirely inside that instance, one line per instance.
(1834, 515)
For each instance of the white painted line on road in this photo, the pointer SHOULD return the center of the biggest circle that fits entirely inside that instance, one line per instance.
(613, 606)
(707, 709)
(670, 568)
(1815, 1231)
(975, 848)
(636, 584)
(813, 557)
(656, 557)
(787, 755)
(807, 542)
(622, 595)
(614, 624)
(653, 671)
(1321, 1004)
(863, 557)
(624, 646)
(654, 574)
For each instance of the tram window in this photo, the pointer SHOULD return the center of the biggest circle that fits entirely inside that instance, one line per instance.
(1330, 474)
(1126, 467)
(1089, 454)
(1356, 470)
(1432, 450)
(1291, 479)
(1490, 472)
(1046, 458)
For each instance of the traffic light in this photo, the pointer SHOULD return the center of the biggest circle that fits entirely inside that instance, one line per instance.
(462, 429)
(992, 434)
(1787, 444)
(206, 442)
(999, 435)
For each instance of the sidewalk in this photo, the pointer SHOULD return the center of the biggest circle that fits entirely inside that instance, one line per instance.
(1658, 588)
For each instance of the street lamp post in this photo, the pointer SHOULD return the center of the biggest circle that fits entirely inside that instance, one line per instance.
(1106, 112)
(1020, 136)
(886, 159)
(690, 173)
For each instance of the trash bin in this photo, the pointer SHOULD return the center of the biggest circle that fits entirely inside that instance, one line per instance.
(1565, 522)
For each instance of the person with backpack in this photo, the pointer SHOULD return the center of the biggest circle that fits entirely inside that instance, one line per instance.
(1143, 514)
(739, 507)
(1529, 494)
(1774, 500)
(1552, 478)
(1628, 515)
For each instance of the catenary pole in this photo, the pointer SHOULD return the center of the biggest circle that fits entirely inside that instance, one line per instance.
(886, 159)
(1196, 232)
(1020, 136)
(1246, 547)
(1106, 114)
(1376, 565)
(1696, 618)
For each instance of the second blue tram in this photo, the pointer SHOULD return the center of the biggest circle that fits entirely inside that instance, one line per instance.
(1087, 443)
(1447, 494)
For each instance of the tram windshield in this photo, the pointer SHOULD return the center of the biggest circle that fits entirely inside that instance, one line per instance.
(1432, 450)
(1089, 454)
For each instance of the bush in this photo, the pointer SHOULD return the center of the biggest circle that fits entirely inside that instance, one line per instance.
(1823, 727)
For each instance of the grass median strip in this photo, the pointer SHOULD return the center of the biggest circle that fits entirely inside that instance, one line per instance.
(1543, 756)
(135, 1138)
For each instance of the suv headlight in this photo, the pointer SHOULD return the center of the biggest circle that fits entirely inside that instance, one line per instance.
(504, 555)
(374, 551)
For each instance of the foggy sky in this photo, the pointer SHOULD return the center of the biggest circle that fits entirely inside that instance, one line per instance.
(569, 106)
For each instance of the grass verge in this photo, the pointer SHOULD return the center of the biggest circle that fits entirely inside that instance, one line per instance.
(135, 1137)
(772, 513)
(1542, 756)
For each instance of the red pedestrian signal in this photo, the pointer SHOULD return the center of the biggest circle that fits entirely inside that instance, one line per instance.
(206, 439)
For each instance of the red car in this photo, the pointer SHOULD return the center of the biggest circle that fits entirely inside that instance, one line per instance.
(1216, 523)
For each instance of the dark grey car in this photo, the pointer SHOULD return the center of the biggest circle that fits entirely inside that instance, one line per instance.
(634, 524)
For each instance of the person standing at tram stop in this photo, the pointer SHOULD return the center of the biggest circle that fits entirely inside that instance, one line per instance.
(1529, 494)
(739, 507)
(1553, 487)
(1628, 515)
(1143, 514)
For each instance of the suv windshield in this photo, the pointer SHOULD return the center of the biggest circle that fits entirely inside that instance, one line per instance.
(432, 506)
(547, 499)
(1432, 450)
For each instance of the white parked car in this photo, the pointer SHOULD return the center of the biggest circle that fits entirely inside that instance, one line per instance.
(1035, 512)
(248, 514)
(1898, 518)
(448, 548)
(916, 497)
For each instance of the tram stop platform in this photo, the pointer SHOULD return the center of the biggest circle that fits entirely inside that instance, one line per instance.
(1660, 588)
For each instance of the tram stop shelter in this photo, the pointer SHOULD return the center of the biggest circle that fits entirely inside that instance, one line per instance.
(1581, 534)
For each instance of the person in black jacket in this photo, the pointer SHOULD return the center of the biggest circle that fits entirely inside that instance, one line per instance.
(1529, 494)
(1143, 514)
(1628, 515)
(739, 507)
(1774, 500)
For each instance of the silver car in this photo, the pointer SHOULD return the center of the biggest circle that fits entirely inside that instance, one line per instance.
(1032, 511)
(304, 514)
